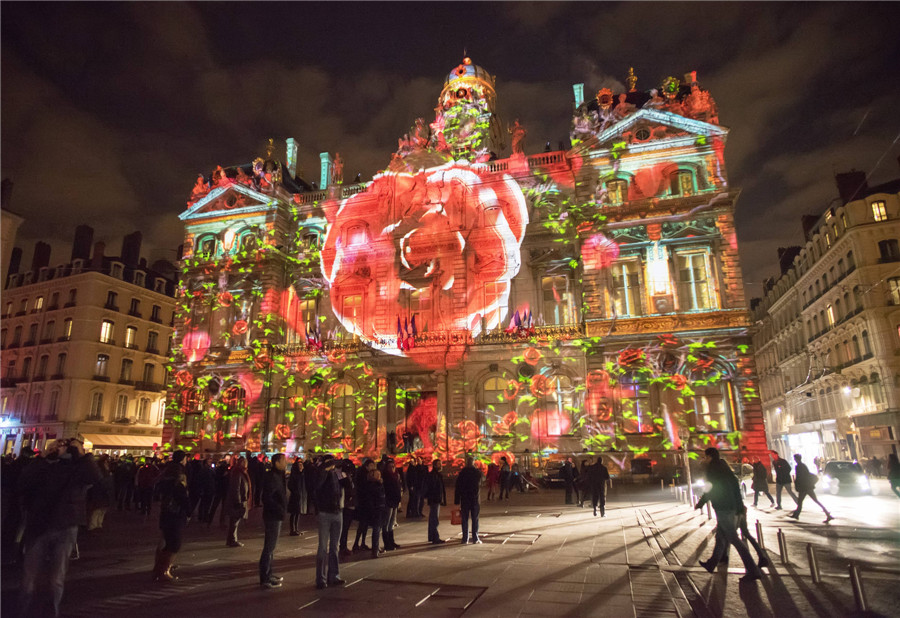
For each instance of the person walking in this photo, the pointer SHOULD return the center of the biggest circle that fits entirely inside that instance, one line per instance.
(493, 479)
(349, 510)
(145, 481)
(237, 500)
(760, 482)
(222, 469)
(297, 501)
(53, 490)
(893, 473)
(174, 508)
(504, 477)
(436, 495)
(393, 489)
(360, 480)
(467, 495)
(329, 500)
(805, 484)
(725, 496)
(596, 481)
(782, 470)
(274, 501)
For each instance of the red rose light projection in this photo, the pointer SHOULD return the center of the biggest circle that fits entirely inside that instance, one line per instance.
(449, 235)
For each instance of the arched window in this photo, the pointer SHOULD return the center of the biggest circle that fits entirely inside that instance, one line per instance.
(682, 183)
(143, 411)
(866, 345)
(96, 411)
(206, 247)
(121, 407)
(235, 399)
(34, 410)
(856, 353)
(617, 191)
(713, 407)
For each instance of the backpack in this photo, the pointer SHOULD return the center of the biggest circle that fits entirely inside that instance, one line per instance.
(328, 493)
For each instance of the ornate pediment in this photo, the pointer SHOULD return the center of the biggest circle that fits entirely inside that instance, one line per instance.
(227, 199)
(649, 125)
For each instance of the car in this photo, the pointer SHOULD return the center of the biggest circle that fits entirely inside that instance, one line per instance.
(743, 472)
(844, 477)
(551, 476)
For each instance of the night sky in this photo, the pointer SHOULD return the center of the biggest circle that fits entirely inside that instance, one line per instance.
(111, 110)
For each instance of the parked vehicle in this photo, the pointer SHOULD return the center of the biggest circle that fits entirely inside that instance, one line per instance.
(551, 476)
(844, 477)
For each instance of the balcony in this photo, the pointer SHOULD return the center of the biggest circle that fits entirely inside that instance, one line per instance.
(28, 343)
(63, 338)
(52, 307)
(111, 307)
(152, 350)
(131, 346)
(889, 259)
(8, 382)
(39, 378)
(19, 313)
(14, 344)
(126, 382)
(101, 378)
(109, 341)
(135, 314)
(156, 319)
(67, 305)
(148, 386)
(47, 340)
(56, 376)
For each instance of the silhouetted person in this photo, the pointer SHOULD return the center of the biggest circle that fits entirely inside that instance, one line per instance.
(596, 481)
(467, 495)
(760, 482)
(782, 469)
(805, 483)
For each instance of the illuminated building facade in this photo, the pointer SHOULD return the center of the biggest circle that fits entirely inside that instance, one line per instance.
(581, 300)
(827, 338)
(84, 349)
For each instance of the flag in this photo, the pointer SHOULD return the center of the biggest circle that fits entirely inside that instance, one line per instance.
(415, 333)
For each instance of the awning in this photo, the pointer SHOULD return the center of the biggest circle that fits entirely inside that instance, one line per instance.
(106, 440)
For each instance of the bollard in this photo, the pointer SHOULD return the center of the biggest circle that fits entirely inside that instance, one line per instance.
(759, 535)
(782, 547)
(813, 563)
(708, 511)
(662, 484)
(859, 593)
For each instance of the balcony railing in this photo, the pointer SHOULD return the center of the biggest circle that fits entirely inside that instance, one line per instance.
(153, 350)
(148, 386)
(101, 378)
(135, 314)
(111, 306)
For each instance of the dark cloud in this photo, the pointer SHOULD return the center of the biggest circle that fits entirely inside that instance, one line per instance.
(109, 111)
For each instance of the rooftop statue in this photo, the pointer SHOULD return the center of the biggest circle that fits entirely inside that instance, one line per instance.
(518, 133)
(337, 171)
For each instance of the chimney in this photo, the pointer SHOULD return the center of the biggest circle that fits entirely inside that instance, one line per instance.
(81, 246)
(131, 249)
(291, 157)
(97, 260)
(808, 222)
(851, 185)
(579, 94)
(41, 256)
(786, 257)
(15, 260)
(325, 176)
(6, 188)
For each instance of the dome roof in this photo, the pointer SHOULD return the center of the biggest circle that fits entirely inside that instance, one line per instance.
(468, 71)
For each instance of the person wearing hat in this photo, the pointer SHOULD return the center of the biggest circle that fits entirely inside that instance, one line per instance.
(174, 506)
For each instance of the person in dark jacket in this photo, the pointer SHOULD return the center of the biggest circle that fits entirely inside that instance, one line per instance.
(53, 490)
(393, 494)
(348, 511)
(893, 473)
(782, 470)
(221, 474)
(174, 509)
(596, 480)
(145, 481)
(100, 495)
(329, 501)
(568, 473)
(372, 507)
(726, 499)
(274, 502)
(123, 476)
(237, 500)
(297, 500)
(467, 494)
(359, 481)
(760, 483)
(413, 482)
(805, 483)
(436, 495)
(504, 478)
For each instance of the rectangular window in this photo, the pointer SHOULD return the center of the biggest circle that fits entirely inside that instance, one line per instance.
(102, 368)
(60, 364)
(32, 334)
(49, 327)
(121, 407)
(106, 331)
(11, 369)
(135, 308)
(711, 408)
(830, 314)
(629, 287)
(694, 292)
(42, 367)
(17, 336)
(154, 314)
(889, 250)
(148, 372)
(53, 405)
(96, 412)
(26, 367)
(894, 290)
(420, 308)
(558, 299)
(54, 300)
(67, 329)
(616, 191)
(143, 415)
(635, 408)
(352, 309)
(496, 303)
(879, 211)
(38, 304)
(130, 337)
(127, 365)
(153, 342)
(112, 301)
(34, 410)
(682, 183)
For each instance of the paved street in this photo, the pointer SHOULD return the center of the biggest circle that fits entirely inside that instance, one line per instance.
(539, 557)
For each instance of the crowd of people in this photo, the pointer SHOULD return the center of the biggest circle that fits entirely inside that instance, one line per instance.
(47, 497)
